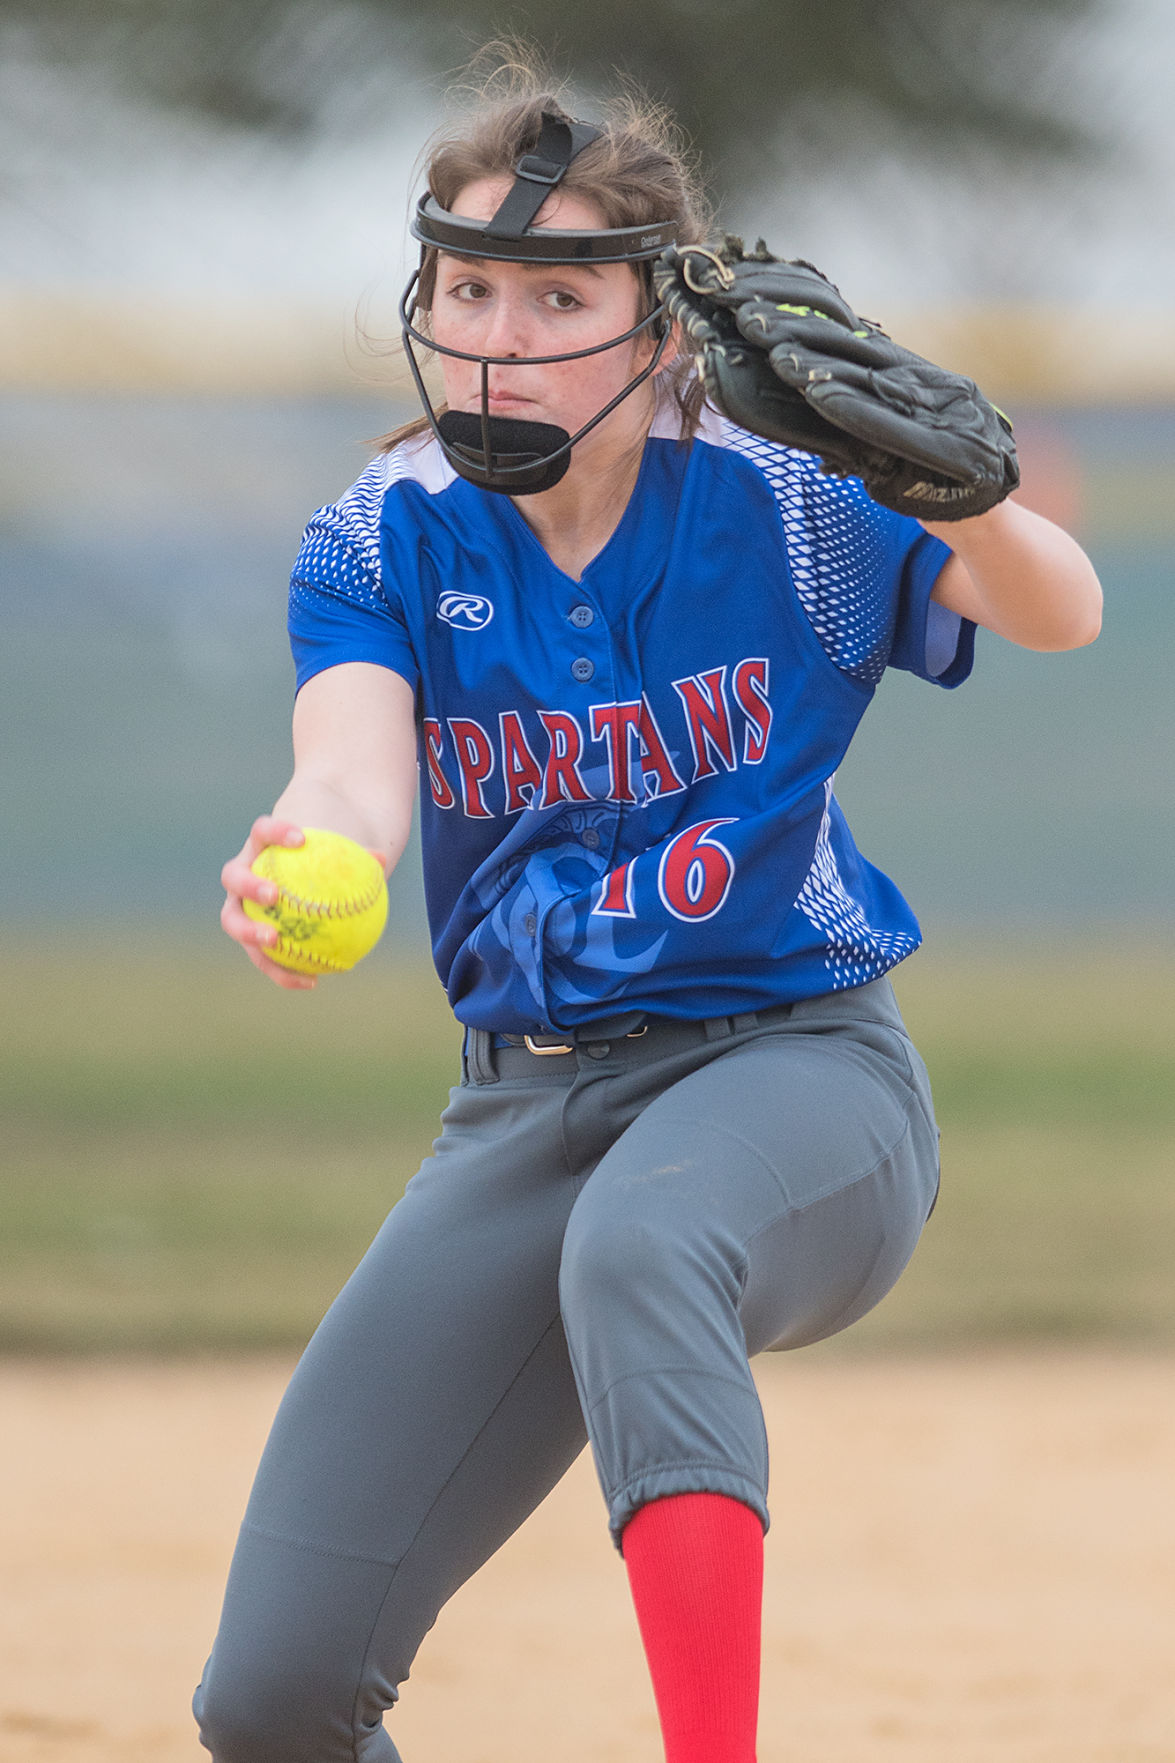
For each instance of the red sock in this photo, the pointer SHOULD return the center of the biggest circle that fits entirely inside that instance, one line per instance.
(695, 1567)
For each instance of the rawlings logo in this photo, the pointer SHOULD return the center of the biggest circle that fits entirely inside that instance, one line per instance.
(465, 612)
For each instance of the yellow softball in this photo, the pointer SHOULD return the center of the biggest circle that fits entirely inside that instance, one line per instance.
(332, 902)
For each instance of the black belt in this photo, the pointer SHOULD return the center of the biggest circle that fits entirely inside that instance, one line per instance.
(489, 1055)
(608, 1028)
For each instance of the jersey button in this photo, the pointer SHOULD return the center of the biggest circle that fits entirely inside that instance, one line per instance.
(581, 617)
(582, 669)
(591, 838)
(530, 924)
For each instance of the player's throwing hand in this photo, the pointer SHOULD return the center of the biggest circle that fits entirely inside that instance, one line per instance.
(240, 883)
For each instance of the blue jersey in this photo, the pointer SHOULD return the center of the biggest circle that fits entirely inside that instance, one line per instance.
(626, 797)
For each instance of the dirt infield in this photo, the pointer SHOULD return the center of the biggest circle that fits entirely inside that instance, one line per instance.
(970, 1560)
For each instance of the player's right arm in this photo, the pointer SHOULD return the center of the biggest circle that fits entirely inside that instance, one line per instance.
(354, 773)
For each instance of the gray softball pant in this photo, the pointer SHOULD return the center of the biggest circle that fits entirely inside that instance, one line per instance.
(599, 1243)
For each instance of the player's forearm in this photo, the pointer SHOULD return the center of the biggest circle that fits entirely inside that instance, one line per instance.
(1019, 575)
(355, 757)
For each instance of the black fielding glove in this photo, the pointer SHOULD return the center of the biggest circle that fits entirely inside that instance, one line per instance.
(781, 353)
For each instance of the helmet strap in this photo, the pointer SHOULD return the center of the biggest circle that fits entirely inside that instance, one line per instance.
(538, 173)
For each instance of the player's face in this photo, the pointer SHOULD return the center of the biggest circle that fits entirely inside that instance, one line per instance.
(520, 309)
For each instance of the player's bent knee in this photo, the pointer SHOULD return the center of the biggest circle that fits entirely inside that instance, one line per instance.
(286, 1708)
(240, 1728)
(271, 1723)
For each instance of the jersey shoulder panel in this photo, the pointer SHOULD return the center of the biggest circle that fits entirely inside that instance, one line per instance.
(420, 460)
(341, 545)
(841, 549)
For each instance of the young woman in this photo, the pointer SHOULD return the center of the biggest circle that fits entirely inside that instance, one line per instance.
(627, 644)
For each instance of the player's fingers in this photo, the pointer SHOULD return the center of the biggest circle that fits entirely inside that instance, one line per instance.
(255, 938)
(267, 829)
(253, 935)
(243, 929)
(238, 879)
(281, 976)
(237, 876)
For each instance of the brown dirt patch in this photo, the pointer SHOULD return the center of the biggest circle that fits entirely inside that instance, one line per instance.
(969, 1560)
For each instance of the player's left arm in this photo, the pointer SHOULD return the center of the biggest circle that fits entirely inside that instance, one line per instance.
(1017, 574)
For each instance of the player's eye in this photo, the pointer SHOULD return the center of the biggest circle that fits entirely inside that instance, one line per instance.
(562, 300)
(469, 291)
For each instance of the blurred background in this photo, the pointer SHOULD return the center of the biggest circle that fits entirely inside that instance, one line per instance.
(203, 237)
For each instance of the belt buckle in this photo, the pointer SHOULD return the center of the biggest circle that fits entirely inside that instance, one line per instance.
(562, 1047)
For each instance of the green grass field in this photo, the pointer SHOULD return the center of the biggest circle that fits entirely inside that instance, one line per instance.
(193, 1161)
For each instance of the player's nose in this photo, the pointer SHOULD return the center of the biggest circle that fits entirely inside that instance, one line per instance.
(507, 330)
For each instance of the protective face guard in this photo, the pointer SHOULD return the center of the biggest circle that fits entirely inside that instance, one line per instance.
(501, 452)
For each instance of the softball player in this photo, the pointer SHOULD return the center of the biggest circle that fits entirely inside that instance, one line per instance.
(626, 644)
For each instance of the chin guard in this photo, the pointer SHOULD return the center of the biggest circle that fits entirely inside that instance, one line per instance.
(500, 452)
(484, 449)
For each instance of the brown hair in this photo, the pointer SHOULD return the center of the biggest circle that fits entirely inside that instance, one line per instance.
(636, 173)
